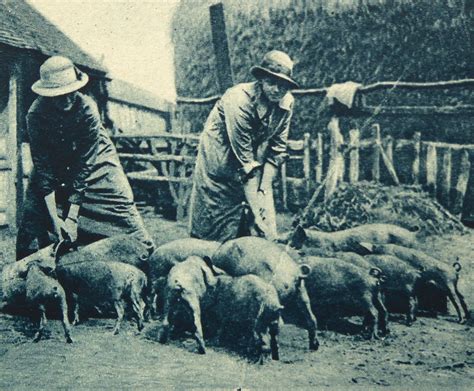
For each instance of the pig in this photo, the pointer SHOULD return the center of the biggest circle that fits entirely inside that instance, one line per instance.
(245, 306)
(121, 248)
(349, 239)
(168, 255)
(433, 272)
(186, 286)
(43, 290)
(228, 306)
(400, 286)
(97, 282)
(337, 288)
(14, 277)
(254, 255)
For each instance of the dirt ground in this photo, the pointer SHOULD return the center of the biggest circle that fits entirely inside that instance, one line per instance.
(434, 353)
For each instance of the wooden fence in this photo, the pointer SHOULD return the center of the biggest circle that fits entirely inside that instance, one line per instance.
(168, 159)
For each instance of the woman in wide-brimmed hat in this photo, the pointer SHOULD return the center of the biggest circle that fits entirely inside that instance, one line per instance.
(243, 143)
(77, 186)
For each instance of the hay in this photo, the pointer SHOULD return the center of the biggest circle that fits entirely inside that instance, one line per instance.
(362, 203)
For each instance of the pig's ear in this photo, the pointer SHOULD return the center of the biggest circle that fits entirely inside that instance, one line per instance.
(363, 248)
(215, 270)
(298, 238)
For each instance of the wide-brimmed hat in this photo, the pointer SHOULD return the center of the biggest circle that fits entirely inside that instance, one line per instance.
(278, 64)
(59, 76)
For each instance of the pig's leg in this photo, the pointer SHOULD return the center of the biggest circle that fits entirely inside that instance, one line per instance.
(370, 319)
(138, 306)
(382, 319)
(274, 331)
(65, 319)
(452, 298)
(165, 328)
(119, 307)
(42, 323)
(310, 319)
(467, 314)
(75, 306)
(198, 335)
(412, 307)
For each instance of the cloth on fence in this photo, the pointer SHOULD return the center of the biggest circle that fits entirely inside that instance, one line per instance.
(236, 138)
(343, 92)
(74, 157)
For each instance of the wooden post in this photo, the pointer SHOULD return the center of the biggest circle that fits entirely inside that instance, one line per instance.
(354, 135)
(307, 162)
(461, 185)
(376, 153)
(13, 157)
(389, 147)
(431, 169)
(445, 177)
(336, 163)
(318, 168)
(416, 158)
(221, 47)
(284, 187)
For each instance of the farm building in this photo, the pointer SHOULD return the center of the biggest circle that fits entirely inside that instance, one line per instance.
(26, 39)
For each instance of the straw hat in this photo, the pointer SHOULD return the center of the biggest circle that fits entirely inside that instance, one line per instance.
(59, 76)
(278, 64)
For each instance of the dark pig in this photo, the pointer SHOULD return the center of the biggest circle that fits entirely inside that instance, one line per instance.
(337, 289)
(400, 286)
(245, 307)
(253, 255)
(433, 272)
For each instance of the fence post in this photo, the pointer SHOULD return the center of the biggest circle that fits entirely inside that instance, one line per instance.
(445, 173)
(307, 162)
(336, 163)
(431, 169)
(416, 158)
(461, 185)
(376, 153)
(318, 168)
(389, 147)
(354, 135)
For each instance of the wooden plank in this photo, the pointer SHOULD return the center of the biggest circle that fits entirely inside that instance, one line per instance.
(221, 47)
(158, 135)
(447, 145)
(147, 177)
(307, 162)
(416, 158)
(445, 177)
(431, 169)
(354, 135)
(336, 163)
(389, 147)
(376, 152)
(461, 185)
(419, 110)
(157, 158)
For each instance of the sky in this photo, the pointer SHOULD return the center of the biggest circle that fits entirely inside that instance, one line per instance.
(131, 36)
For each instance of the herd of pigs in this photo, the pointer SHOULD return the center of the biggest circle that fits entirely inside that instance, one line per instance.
(240, 290)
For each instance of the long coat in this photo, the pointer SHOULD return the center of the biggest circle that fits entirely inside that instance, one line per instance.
(74, 156)
(237, 139)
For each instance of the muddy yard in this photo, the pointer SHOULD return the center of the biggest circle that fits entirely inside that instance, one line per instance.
(434, 353)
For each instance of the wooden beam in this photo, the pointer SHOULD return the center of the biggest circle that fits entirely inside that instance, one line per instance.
(431, 169)
(354, 135)
(307, 162)
(171, 136)
(461, 185)
(376, 152)
(221, 47)
(137, 157)
(415, 168)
